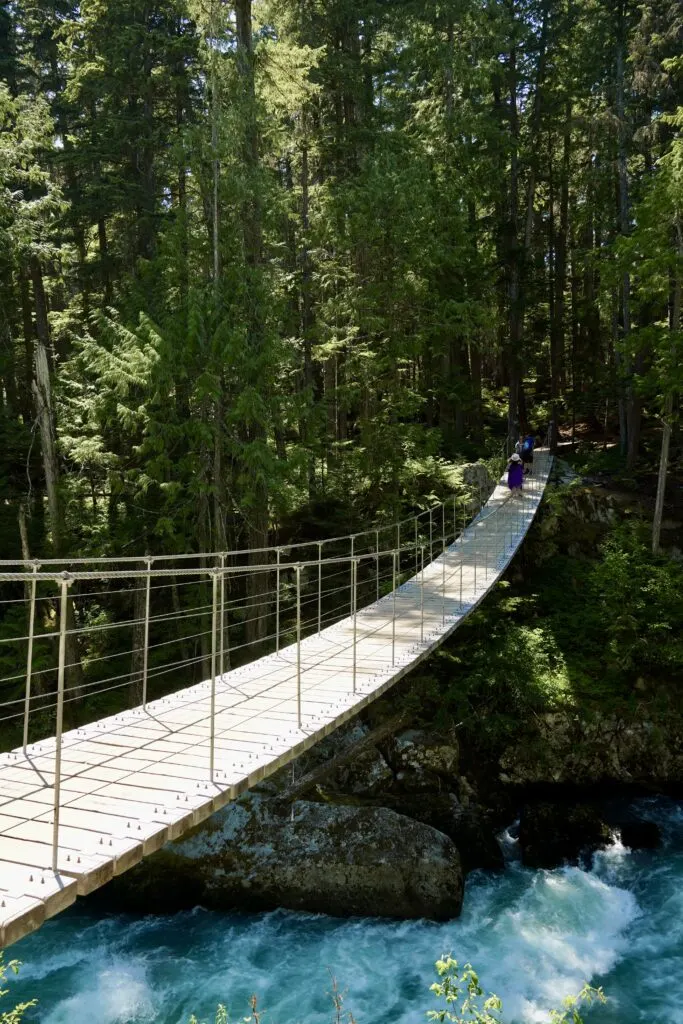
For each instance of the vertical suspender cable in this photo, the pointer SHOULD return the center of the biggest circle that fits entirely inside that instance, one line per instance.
(145, 651)
(393, 613)
(29, 656)
(422, 596)
(214, 637)
(64, 583)
(298, 644)
(277, 602)
(354, 574)
(320, 583)
(377, 553)
(221, 632)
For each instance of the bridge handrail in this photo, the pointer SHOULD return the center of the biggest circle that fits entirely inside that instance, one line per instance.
(416, 548)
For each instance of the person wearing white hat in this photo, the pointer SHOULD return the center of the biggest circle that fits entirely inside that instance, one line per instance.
(515, 474)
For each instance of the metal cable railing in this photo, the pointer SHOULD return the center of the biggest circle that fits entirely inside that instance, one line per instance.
(338, 589)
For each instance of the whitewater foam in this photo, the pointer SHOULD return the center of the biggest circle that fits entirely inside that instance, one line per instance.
(534, 937)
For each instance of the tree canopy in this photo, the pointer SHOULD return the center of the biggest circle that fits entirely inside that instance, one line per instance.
(263, 255)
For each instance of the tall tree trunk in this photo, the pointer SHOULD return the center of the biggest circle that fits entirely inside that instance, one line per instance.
(476, 422)
(575, 330)
(515, 310)
(307, 318)
(629, 419)
(557, 324)
(519, 248)
(28, 333)
(42, 395)
(257, 582)
(331, 409)
(104, 260)
(674, 327)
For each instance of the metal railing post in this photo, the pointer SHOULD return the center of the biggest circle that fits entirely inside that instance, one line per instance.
(320, 583)
(221, 632)
(417, 556)
(461, 564)
(353, 546)
(214, 637)
(443, 587)
(393, 613)
(422, 595)
(277, 602)
(475, 561)
(64, 584)
(29, 656)
(431, 530)
(298, 644)
(443, 528)
(486, 556)
(377, 557)
(354, 573)
(145, 651)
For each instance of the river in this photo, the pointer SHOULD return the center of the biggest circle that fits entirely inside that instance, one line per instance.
(534, 936)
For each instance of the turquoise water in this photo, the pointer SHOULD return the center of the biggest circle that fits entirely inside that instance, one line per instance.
(534, 937)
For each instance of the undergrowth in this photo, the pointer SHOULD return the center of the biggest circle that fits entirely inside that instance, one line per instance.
(596, 631)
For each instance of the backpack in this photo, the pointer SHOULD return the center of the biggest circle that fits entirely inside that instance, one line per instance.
(528, 445)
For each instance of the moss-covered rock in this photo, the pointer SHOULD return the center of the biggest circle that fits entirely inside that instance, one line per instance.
(338, 860)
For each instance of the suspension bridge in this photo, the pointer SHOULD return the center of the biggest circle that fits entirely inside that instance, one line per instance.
(86, 804)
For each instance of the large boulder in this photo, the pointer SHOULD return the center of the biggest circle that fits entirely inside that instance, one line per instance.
(470, 828)
(337, 860)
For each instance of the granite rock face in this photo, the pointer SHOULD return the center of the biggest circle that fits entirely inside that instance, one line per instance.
(333, 859)
(578, 750)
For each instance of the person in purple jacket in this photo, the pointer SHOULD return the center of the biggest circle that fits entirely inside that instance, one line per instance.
(515, 473)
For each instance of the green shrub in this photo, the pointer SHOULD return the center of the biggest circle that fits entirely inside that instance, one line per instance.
(11, 1016)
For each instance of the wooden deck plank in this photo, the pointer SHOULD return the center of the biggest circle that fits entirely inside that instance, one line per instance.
(124, 851)
(89, 871)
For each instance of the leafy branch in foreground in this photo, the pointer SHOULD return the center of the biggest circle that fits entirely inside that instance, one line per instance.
(11, 1016)
(570, 1014)
(464, 989)
(463, 995)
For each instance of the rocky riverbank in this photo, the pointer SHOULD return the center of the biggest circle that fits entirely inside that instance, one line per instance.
(387, 816)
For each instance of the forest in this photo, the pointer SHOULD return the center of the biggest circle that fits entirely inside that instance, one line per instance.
(266, 255)
(266, 268)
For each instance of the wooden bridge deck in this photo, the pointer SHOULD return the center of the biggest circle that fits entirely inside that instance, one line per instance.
(131, 782)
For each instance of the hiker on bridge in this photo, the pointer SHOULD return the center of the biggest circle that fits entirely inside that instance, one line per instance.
(527, 453)
(515, 469)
